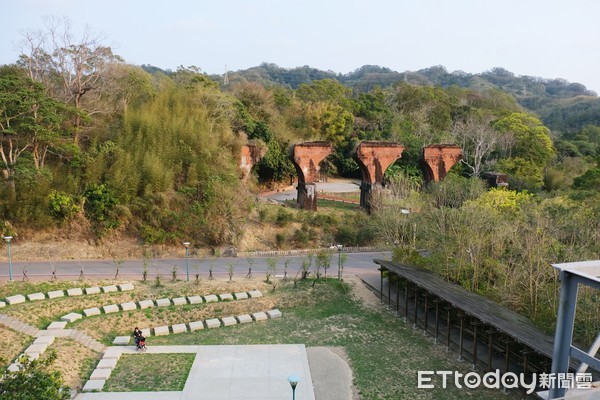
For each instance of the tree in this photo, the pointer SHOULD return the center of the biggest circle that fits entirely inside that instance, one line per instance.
(33, 381)
(588, 181)
(29, 119)
(271, 269)
(323, 261)
(75, 71)
(326, 90)
(531, 152)
(477, 139)
(532, 138)
(126, 84)
(373, 115)
(425, 112)
(99, 207)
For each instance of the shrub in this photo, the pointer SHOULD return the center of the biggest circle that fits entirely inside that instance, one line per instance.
(62, 205)
(302, 236)
(279, 239)
(99, 207)
(284, 217)
(34, 380)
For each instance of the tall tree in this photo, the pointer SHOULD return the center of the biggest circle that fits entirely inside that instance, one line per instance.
(30, 120)
(477, 139)
(74, 70)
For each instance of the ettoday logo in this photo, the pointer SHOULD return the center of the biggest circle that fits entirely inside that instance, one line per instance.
(472, 380)
(508, 380)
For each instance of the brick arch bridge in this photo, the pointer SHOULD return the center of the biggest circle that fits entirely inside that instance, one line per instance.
(373, 159)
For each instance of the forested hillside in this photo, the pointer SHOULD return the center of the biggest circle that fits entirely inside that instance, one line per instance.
(563, 106)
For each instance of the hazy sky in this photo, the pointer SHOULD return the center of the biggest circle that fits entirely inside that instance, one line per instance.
(545, 38)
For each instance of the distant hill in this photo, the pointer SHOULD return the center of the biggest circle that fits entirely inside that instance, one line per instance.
(562, 105)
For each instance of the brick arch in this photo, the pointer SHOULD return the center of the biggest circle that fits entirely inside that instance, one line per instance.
(249, 156)
(374, 158)
(306, 158)
(437, 159)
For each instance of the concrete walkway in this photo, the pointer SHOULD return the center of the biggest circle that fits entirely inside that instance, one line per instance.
(80, 337)
(331, 375)
(18, 326)
(290, 193)
(257, 372)
(86, 340)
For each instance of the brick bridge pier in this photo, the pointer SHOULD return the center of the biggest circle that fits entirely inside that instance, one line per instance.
(373, 159)
(437, 159)
(306, 158)
(249, 156)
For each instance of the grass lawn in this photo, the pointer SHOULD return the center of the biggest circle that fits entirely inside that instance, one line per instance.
(385, 354)
(337, 205)
(139, 373)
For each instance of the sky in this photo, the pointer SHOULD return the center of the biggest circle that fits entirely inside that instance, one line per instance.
(543, 38)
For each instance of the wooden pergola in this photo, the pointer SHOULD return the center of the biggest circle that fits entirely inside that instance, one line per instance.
(452, 314)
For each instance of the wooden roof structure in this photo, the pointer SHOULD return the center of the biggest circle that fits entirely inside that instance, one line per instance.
(488, 312)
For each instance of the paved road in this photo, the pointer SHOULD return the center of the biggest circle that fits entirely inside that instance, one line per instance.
(133, 269)
(340, 186)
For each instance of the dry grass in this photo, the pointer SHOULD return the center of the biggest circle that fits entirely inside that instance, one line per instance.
(42, 313)
(13, 343)
(106, 327)
(74, 361)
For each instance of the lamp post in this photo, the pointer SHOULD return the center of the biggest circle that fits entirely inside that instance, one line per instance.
(339, 247)
(8, 239)
(406, 212)
(187, 264)
(293, 380)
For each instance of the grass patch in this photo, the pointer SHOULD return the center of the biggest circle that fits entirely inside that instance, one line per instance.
(138, 373)
(74, 361)
(337, 205)
(13, 343)
(25, 288)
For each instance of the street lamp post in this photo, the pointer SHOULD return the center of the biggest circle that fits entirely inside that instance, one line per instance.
(406, 212)
(293, 380)
(8, 239)
(339, 247)
(187, 264)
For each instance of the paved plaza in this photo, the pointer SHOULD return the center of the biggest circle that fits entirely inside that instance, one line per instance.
(256, 372)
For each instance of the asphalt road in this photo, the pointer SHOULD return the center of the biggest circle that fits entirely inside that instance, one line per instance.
(133, 269)
(339, 186)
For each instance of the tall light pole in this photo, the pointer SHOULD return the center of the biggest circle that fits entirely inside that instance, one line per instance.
(339, 247)
(187, 264)
(406, 212)
(293, 380)
(8, 239)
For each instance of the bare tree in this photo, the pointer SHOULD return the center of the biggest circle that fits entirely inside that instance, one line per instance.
(477, 139)
(71, 68)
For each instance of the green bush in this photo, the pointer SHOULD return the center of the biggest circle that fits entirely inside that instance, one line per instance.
(284, 217)
(34, 380)
(302, 236)
(100, 208)
(62, 206)
(279, 239)
(152, 235)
